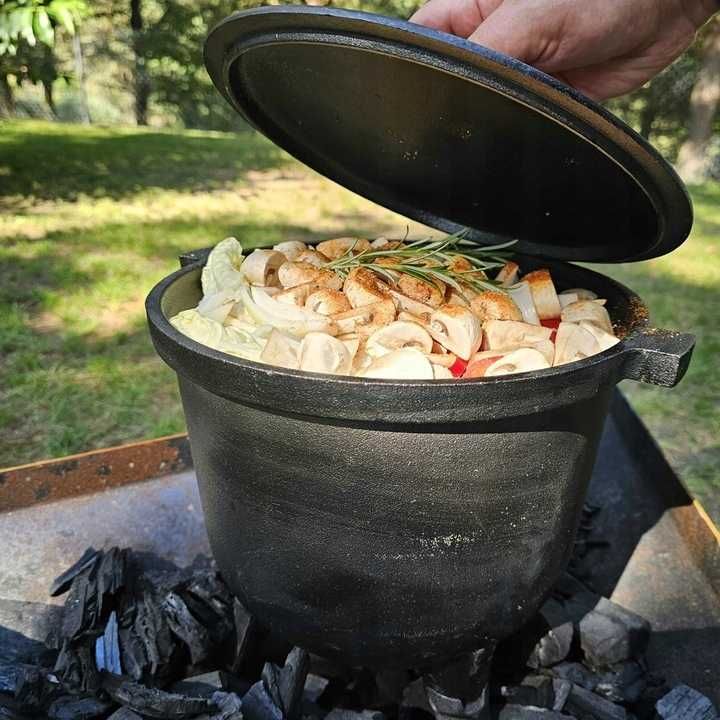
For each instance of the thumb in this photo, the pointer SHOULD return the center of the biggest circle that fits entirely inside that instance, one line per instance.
(457, 17)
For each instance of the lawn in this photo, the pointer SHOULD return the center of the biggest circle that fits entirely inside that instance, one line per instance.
(93, 217)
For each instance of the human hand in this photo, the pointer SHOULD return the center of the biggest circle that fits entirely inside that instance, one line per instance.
(604, 48)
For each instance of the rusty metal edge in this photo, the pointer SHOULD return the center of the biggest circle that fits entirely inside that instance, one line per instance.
(88, 472)
(701, 535)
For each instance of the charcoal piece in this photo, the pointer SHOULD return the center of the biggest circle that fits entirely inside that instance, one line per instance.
(244, 635)
(553, 647)
(521, 712)
(62, 582)
(582, 703)
(211, 603)
(75, 668)
(229, 706)
(22, 624)
(390, 684)
(79, 609)
(535, 690)
(577, 673)
(285, 685)
(107, 648)
(124, 714)
(186, 628)
(69, 707)
(414, 713)
(561, 691)
(610, 634)
(624, 684)
(10, 674)
(685, 703)
(35, 687)
(110, 574)
(208, 683)
(154, 703)
(258, 705)
(414, 696)
(328, 668)
(344, 714)
(315, 686)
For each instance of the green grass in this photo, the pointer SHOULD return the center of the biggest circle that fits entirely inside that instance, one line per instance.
(93, 217)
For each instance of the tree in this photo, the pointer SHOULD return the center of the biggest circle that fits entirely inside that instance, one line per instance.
(141, 81)
(693, 158)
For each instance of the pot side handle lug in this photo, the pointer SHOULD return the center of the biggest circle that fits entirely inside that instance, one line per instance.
(657, 357)
(193, 256)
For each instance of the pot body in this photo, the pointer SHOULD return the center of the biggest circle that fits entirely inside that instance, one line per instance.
(398, 523)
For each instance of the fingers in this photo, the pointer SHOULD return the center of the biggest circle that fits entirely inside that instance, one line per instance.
(458, 17)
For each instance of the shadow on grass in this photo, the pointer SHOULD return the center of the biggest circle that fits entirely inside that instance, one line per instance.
(52, 165)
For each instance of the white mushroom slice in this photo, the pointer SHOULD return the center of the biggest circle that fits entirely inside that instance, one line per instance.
(500, 334)
(409, 305)
(261, 267)
(453, 297)
(508, 274)
(573, 342)
(297, 295)
(523, 298)
(397, 335)
(361, 361)
(327, 301)
(312, 257)
(352, 344)
(379, 243)
(405, 364)
(492, 305)
(364, 287)
(365, 320)
(517, 361)
(281, 350)
(293, 273)
(604, 340)
(440, 372)
(590, 310)
(428, 293)
(445, 359)
(457, 329)
(323, 353)
(337, 247)
(222, 269)
(546, 347)
(567, 298)
(582, 293)
(291, 249)
(217, 306)
(544, 295)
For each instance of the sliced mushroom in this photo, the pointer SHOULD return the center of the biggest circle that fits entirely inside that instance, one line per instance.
(382, 243)
(261, 267)
(440, 372)
(409, 305)
(404, 364)
(517, 361)
(327, 302)
(397, 335)
(293, 273)
(582, 293)
(500, 334)
(353, 343)
(457, 329)
(337, 247)
(297, 295)
(428, 293)
(572, 343)
(604, 340)
(523, 298)
(453, 297)
(491, 305)
(590, 310)
(365, 320)
(281, 350)
(508, 274)
(544, 295)
(364, 287)
(567, 298)
(546, 347)
(323, 353)
(445, 359)
(291, 249)
(312, 257)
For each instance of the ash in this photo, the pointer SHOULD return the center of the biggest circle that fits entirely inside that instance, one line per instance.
(140, 638)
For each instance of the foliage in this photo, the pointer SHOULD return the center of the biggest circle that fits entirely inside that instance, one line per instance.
(33, 21)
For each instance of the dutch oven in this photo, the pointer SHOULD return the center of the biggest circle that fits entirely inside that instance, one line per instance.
(402, 523)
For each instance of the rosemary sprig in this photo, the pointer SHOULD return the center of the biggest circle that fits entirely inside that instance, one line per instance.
(429, 260)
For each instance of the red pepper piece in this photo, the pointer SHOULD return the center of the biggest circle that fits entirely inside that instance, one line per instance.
(553, 323)
(458, 367)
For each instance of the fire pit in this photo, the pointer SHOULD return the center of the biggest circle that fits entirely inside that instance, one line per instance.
(416, 524)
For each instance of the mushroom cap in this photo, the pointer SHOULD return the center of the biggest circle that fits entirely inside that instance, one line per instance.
(543, 292)
(323, 353)
(573, 342)
(456, 328)
(292, 273)
(523, 298)
(582, 293)
(298, 294)
(291, 249)
(501, 334)
(590, 310)
(312, 257)
(281, 350)
(260, 267)
(364, 287)
(604, 339)
(366, 319)
(493, 305)
(337, 247)
(396, 335)
(508, 274)
(327, 301)
(409, 305)
(517, 361)
(403, 364)
(566, 298)
(428, 293)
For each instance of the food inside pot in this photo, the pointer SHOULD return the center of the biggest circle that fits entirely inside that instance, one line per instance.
(423, 310)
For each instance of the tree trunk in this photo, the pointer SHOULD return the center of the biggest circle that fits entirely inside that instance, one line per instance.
(49, 99)
(7, 97)
(80, 78)
(692, 162)
(141, 80)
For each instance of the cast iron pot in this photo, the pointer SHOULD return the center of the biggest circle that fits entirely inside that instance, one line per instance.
(399, 523)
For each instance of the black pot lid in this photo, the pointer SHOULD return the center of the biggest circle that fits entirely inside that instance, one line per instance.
(449, 133)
